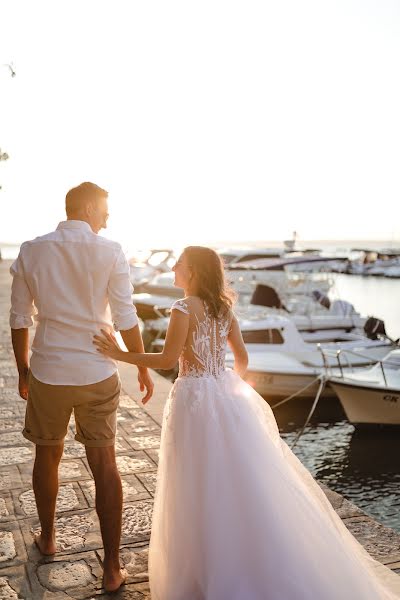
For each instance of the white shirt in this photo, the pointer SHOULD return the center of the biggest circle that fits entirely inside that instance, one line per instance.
(69, 280)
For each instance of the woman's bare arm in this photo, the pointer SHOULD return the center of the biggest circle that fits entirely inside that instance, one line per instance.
(167, 359)
(236, 344)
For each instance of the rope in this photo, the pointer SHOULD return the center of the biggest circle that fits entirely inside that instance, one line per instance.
(296, 393)
(317, 397)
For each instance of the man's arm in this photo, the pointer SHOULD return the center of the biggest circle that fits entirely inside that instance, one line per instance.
(22, 310)
(134, 343)
(125, 317)
(20, 343)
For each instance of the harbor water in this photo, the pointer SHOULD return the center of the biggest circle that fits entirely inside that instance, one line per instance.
(361, 464)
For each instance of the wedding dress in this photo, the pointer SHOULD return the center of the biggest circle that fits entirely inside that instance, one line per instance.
(236, 514)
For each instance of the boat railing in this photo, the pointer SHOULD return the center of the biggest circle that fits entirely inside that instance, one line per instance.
(344, 352)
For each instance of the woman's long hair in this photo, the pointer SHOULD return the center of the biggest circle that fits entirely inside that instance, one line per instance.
(208, 268)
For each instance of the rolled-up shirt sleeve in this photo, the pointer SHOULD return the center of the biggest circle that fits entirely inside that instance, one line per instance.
(120, 295)
(22, 306)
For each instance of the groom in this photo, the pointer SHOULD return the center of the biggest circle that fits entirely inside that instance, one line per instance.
(77, 283)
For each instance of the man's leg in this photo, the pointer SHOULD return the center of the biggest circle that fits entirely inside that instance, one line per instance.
(45, 487)
(109, 510)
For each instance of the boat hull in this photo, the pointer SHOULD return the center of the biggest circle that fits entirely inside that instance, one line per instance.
(282, 385)
(369, 405)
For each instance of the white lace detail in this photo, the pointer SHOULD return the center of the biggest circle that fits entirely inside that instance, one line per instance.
(205, 356)
(180, 305)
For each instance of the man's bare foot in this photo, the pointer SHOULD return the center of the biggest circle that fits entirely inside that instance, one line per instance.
(113, 579)
(46, 547)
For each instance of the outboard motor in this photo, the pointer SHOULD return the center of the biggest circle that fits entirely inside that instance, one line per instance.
(374, 328)
(264, 295)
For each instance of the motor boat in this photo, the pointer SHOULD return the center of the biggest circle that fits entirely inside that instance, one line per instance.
(371, 396)
(281, 362)
(145, 266)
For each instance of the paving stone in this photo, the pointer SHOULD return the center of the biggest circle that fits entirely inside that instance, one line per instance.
(13, 438)
(6, 507)
(126, 401)
(134, 463)
(149, 481)
(65, 575)
(381, 542)
(132, 490)
(138, 591)
(12, 547)
(10, 478)
(7, 364)
(144, 442)
(15, 455)
(14, 584)
(77, 576)
(3, 508)
(154, 454)
(8, 370)
(10, 382)
(121, 445)
(135, 561)
(10, 411)
(75, 532)
(136, 521)
(136, 413)
(11, 425)
(73, 469)
(69, 498)
(140, 425)
(6, 591)
(343, 507)
(74, 450)
(7, 546)
(11, 397)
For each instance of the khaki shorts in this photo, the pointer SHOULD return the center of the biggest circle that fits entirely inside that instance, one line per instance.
(49, 410)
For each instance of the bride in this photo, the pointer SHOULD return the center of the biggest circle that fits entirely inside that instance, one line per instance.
(236, 514)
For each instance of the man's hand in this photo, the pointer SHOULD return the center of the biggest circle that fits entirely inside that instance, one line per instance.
(20, 342)
(23, 384)
(145, 383)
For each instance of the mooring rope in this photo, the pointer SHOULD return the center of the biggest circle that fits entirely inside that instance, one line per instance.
(297, 393)
(317, 397)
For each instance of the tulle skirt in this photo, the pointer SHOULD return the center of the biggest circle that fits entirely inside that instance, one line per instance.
(236, 514)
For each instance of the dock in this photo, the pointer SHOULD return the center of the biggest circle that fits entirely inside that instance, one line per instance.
(75, 571)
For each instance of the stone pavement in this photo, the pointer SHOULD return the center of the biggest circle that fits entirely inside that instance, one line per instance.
(75, 572)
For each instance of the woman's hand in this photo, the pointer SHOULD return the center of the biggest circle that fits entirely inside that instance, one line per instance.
(107, 344)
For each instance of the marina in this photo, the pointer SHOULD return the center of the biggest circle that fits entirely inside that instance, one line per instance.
(291, 349)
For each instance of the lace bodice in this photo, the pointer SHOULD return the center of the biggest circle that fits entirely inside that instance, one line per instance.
(205, 347)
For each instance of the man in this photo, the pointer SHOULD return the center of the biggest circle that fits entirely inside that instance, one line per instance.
(70, 279)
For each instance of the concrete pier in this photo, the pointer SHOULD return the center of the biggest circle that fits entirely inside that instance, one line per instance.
(75, 572)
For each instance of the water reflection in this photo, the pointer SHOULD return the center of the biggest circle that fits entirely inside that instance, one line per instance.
(362, 465)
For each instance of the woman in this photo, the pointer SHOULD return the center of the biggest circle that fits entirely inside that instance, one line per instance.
(236, 515)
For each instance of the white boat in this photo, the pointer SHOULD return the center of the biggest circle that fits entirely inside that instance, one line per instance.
(144, 266)
(393, 271)
(283, 362)
(373, 395)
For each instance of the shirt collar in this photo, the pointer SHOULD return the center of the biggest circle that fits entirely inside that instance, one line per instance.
(74, 224)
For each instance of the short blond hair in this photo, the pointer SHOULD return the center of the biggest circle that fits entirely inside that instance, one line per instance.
(82, 195)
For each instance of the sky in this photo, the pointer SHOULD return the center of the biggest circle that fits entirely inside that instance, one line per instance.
(205, 121)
